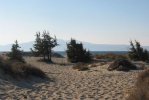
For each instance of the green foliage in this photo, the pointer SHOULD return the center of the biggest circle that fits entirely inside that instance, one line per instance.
(44, 44)
(76, 52)
(16, 53)
(137, 52)
(38, 45)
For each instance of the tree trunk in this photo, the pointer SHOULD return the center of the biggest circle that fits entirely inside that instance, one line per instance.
(44, 57)
(50, 55)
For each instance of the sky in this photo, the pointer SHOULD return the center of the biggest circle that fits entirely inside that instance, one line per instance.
(95, 21)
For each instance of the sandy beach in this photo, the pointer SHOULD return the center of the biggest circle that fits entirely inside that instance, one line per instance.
(66, 83)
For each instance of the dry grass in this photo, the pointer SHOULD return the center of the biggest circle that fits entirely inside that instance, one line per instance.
(111, 56)
(141, 91)
(81, 66)
(93, 65)
(19, 70)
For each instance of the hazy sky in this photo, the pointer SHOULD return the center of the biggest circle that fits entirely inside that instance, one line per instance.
(96, 21)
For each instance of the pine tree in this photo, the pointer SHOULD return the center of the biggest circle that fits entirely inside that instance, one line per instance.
(137, 52)
(133, 52)
(16, 53)
(44, 44)
(37, 45)
(145, 55)
(48, 44)
(76, 52)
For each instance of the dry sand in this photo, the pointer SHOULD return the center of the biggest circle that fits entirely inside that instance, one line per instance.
(68, 84)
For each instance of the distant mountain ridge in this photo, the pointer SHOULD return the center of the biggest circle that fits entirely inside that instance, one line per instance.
(62, 46)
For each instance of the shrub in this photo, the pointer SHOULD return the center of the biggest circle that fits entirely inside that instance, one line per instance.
(20, 70)
(122, 65)
(141, 91)
(76, 52)
(137, 52)
(81, 66)
(111, 56)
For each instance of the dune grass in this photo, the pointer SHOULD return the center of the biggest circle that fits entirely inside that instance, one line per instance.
(19, 70)
(141, 90)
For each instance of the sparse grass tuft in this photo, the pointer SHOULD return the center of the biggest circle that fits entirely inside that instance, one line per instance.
(81, 66)
(141, 91)
(93, 65)
(62, 64)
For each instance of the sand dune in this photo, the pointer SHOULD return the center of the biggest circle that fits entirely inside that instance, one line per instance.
(68, 84)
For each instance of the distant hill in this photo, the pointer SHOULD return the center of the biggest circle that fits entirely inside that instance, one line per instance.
(62, 46)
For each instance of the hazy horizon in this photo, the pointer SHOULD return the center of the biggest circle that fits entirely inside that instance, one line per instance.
(67, 40)
(94, 21)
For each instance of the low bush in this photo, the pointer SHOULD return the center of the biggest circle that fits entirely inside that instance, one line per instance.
(111, 56)
(81, 66)
(141, 91)
(20, 70)
(122, 65)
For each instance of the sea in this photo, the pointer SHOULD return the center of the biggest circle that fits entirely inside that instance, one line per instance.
(63, 53)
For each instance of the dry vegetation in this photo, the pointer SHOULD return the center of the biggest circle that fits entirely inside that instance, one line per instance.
(81, 66)
(19, 70)
(122, 65)
(141, 90)
(111, 56)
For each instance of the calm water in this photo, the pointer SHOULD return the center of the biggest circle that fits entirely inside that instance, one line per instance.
(63, 53)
